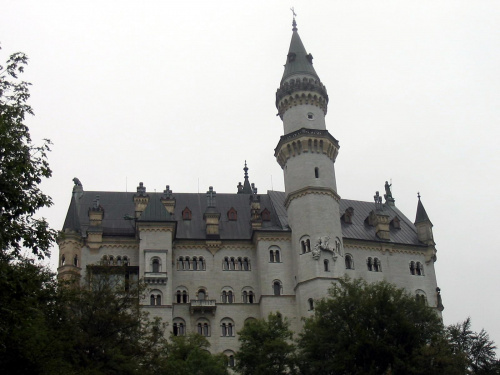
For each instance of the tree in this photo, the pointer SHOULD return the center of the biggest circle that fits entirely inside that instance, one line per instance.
(266, 347)
(189, 355)
(476, 350)
(22, 168)
(376, 328)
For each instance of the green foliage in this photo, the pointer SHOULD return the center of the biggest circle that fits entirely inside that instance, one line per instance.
(266, 347)
(189, 355)
(476, 350)
(373, 329)
(31, 311)
(22, 168)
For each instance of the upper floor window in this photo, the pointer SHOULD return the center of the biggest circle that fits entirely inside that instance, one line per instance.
(369, 264)
(181, 296)
(316, 172)
(305, 244)
(202, 295)
(349, 262)
(326, 265)
(310, 301)
(227, 296)
(416, 268)
(203, 328)
(248, 296)
(236, 264)
(377, 266)
(277, 288)
(232, 215)
(227, 327)
(156, 265)
(274, 254)
(155, 298)
(75, 261)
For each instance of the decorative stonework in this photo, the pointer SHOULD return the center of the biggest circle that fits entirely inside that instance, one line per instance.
(311, 190)
(303, 141)
(301, 91)
(323, 244)
(213, 246)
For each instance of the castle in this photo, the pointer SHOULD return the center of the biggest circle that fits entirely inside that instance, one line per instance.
(213, 261)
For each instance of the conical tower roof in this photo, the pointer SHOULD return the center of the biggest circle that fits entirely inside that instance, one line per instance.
(421, 214)
(298, 60)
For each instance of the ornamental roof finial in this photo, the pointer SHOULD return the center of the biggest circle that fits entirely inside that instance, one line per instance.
(294, 24)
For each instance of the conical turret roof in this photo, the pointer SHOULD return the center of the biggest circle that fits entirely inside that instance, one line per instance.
(298, 60)
(421, 214)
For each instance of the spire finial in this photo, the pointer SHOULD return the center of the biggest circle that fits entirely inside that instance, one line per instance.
(294, 24)
(246, 170)
(418, 195)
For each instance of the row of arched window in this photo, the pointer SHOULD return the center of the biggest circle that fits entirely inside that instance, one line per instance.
(110, 260)
(374, 264)
(236, 264)
(227, 328)
(191, 264)
(226, 296)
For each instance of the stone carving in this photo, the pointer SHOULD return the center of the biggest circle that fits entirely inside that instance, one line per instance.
(77, 182)
(323, 243)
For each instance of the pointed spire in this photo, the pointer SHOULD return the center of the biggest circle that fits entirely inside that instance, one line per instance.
(298, 60)
(421, 214)
(246, 188)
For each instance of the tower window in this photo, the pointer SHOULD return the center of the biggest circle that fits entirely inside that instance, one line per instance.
(326, 265)
(311, 304)
(310, 116)
(316, 172)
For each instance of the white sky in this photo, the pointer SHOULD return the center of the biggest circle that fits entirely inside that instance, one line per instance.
(182, 92)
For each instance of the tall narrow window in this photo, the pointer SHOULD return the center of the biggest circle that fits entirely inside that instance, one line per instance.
(377, 267)
(369, 264)
(226, 263)
(277, 256)
(271, 256)
(184, 297)
(240, 264)
(326, 265)
(223, 329)
(349, 262)
(412, 268)
(156, 265)
(195, 264)
(316, 172)
(420, 269)
(245, 264)
(75, 261)
(230, 297)
(201, 294)
(178, 296)
(250, 297)
(245, 297)
(311, 303)
(224, 297)
(277, 288)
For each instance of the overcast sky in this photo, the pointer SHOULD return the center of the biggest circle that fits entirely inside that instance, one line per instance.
(182, 93)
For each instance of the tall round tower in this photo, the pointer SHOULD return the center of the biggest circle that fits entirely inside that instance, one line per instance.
(306, 153)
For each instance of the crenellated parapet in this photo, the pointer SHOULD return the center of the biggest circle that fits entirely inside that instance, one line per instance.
(306, 140)
(301, 91)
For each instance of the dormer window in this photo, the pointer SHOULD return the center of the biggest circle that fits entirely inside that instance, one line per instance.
(265, 215)
(232, 215)
(186, 214)
(396, 223)
(348, 214)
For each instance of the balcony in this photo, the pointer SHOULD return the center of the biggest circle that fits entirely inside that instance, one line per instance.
(159, 278)
(203, 305)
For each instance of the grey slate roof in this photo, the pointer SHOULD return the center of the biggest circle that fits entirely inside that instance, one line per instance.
(300, 64)
(421, 214)
(117, 205)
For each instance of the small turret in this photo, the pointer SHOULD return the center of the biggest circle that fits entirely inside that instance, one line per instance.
(424, 225)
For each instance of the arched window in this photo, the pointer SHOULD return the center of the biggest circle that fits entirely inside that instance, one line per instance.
(412, 268)
(230, 298)
(240, 263)
(277, 256)
(187, 263)
(277, 288)
(184, 297)
(349, 262)
(226, 263)
(119, 261)
(305, 244)
(421, 297)
(63, 260)
(369, 264)
(181, 296)
(377, 266)
(202, 294)
(271, 256)
(206, 329)
(251, 297)
(202, 265)
(227, 327)
(180, 263)
(155, 298)
(75, 261)
(223, 297)
(179, 327)
(246, 264)
(195, 264)
(326, 265)
(203, 327)
(311, 304)
(111, 260)
(244, 297)
(156, 265)
(316, 172)
(125, 261)
(420, 269)
(230, 361)
(232, 264)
